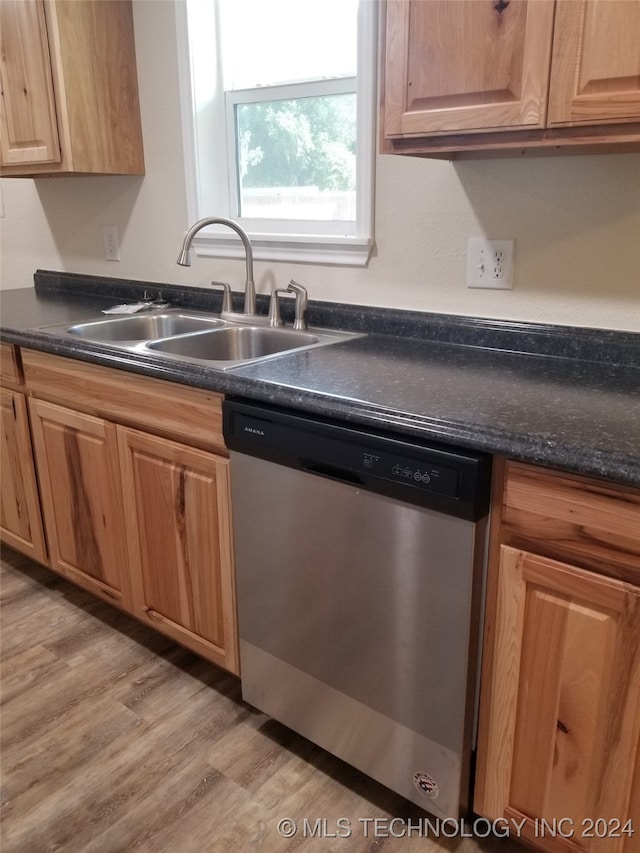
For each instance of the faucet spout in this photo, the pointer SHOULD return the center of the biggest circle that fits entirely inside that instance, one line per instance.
(184, 258)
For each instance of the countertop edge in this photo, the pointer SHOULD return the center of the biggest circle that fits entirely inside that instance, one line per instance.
(561, 456)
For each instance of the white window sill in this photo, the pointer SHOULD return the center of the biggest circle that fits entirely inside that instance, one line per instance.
(294, 248)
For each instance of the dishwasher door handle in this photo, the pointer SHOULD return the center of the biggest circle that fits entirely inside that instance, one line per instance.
(333, 472)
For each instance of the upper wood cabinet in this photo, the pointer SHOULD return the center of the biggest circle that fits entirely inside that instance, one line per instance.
(595, 69)
(477, 77)
(465, 66)
(69, 88)
(29, 128)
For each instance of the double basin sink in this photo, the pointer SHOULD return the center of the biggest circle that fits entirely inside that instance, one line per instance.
(197, 337)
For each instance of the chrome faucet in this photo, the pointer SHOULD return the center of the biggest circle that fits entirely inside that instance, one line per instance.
(184, 258)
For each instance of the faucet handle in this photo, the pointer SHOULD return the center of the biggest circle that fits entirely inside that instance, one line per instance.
(226, 295)
(301, 303)
(275, 318)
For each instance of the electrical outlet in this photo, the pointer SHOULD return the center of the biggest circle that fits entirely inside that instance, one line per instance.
(110, 242)
(490, 263)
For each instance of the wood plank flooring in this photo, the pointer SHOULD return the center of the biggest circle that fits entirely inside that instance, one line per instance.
(115, 739)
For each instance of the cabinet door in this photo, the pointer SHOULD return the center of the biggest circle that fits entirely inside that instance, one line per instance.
(465, 65)
(29, 133)
(560, 713)
(179, 534)
(20, 521)
(77, 459)
(595, 71)
(70, 88)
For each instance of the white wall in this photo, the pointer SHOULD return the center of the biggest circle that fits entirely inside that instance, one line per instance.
(576, 222)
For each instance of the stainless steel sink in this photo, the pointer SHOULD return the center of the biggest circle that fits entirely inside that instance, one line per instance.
(239, 343)
(196, 337)
(142, 327)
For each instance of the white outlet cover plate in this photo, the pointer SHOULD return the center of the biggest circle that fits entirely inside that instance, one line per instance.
(110, 243)
(490, 263)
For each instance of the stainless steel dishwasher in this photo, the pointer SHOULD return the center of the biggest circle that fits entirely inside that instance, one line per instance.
(359, 560)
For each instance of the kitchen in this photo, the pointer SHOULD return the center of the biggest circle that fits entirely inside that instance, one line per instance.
(574, 219)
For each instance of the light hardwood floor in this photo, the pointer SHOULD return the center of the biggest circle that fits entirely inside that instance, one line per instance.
(116, 739)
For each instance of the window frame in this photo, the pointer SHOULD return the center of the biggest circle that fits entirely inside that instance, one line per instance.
(209, 177)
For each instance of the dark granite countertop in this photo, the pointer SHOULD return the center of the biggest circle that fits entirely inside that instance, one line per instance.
(556, 396)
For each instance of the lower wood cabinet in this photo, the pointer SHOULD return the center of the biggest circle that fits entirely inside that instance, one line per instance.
(77, 459)
(566, 687)
(133, 513)
(20, 520)
(177, 509)
(559, 730)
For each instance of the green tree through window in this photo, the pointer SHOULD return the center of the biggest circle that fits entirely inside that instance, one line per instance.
(302, 142)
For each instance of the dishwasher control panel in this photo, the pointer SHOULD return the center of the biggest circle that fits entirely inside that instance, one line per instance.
(451, 480)
(422, 474)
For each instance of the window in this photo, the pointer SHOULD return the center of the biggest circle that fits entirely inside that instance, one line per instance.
(279, 123)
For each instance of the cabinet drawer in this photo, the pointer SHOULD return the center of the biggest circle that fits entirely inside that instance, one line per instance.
(166, 408)
(593, 524)
(10, 371)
